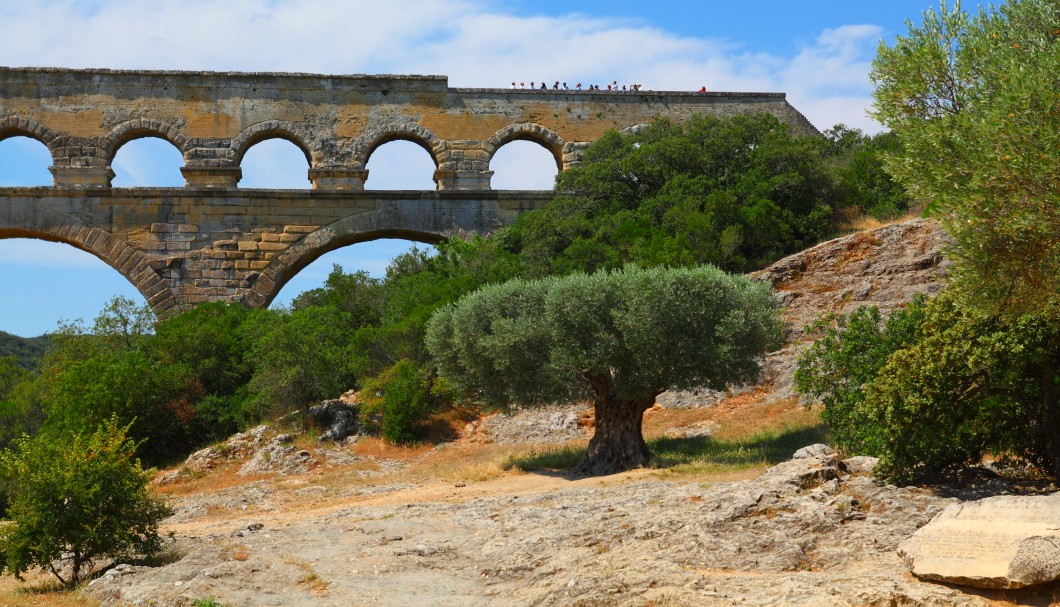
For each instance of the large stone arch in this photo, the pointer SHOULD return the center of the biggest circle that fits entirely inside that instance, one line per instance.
(415, 224)
(371, 139)
(276, 129)
(528, 131)
(140, 128)
(34, 221)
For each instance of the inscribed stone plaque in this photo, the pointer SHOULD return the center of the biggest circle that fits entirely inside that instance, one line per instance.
(997, 542)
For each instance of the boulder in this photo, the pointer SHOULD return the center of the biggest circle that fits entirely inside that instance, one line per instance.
(814, 450)
(997, 542)
(337, 418)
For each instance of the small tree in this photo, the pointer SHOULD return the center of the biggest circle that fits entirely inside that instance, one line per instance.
(618, 338)
(76, 498)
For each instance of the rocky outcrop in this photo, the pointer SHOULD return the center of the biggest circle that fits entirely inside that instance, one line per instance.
(337, 419)
(280, 455)
(885, 267)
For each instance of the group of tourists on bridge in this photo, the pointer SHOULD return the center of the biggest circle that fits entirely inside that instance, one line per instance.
(556, 86)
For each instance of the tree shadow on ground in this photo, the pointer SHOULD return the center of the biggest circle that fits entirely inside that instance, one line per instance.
(698, 452)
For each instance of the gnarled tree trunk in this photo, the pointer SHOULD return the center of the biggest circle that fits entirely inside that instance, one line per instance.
(617, 445)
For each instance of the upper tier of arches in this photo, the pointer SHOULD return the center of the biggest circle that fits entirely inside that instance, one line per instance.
(333, 164)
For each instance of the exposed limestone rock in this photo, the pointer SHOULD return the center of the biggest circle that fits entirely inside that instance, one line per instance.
(564, 423)
(804, 533)
(998, 542)
(885, 267)
(816, 450)
(337, 418)
(278, 455)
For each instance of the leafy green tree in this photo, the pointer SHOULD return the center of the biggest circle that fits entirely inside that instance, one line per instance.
(76, 498)
(358, 294)
(864, 186)
(972, 99)
(111, 371)
(736, 192)
(619, 339)
(207, 351)
(299, 357)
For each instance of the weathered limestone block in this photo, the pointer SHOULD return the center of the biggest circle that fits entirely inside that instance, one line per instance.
(997, 542)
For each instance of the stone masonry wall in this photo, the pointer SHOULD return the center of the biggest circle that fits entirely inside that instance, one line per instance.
(211, 241)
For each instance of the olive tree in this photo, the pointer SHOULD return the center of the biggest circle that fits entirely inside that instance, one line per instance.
(617, 338)
(972, 99)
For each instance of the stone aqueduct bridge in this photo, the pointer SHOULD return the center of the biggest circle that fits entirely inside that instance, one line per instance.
(212, 241)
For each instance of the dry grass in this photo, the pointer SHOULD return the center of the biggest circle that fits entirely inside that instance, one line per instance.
(40, 591)
(377, 447)
(310, 578)
(850, 220)
(224, 476)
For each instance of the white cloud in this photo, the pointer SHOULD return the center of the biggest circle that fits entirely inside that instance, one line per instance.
(474, 42)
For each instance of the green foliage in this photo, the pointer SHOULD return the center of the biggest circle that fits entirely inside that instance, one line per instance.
(77, 498)
(940, 385)
(178, 383)
(27, 350)
(207, 349)
(640, 330)
(90, 377)
(620, 338)
(972, 384)
(357, 294)
(848, 354)
(20, 413)
(862, 182)
(736, 192)
(12, 373)
(398, 401)
(972, 99)
(406, 403)
(299, 357)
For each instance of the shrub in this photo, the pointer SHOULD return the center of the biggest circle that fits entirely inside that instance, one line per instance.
(398, 401)
(76, 498)
(938, 386)
(848, 354)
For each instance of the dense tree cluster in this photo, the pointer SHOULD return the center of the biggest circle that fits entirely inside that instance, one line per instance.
(972, 100)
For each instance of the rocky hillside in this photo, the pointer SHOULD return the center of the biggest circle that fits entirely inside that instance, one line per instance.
(264, 520)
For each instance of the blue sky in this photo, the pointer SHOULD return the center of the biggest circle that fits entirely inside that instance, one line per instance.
(817, 51)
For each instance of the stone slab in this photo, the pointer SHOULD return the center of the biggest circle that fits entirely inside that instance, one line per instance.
(997, 542)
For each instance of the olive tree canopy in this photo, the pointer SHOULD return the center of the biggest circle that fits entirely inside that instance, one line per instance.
(618, 338)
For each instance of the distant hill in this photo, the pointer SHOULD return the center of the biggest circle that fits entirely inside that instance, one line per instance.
(28, 350)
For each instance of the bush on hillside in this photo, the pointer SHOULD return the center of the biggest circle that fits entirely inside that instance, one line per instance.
(76, 498)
